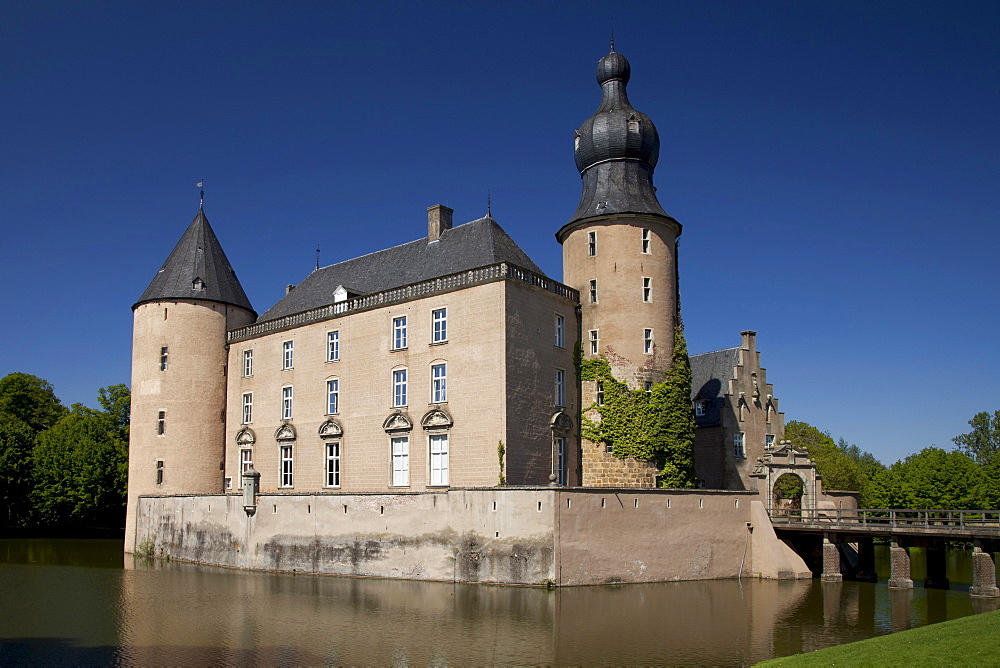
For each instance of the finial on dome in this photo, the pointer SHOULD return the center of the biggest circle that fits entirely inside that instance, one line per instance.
(612, 33)
(201, 197)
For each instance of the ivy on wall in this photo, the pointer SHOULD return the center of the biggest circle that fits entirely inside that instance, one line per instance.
(657, 426)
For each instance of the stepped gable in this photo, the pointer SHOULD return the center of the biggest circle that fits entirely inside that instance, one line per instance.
(478, 243)
(710, 374)
(197, 268)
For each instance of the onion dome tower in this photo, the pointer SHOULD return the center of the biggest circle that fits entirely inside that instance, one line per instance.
(177, 435)
(619, 248)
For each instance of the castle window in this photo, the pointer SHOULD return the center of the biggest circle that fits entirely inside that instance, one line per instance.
(247, 363)
(286, 403)
(333, 346)
(399, 387)
(159, 471)
(600, 393)
(228, 482)
(593, 342)
(699, 408)
(247, 407)
(560, 387)
(197, 284)
(161, 423)
(332, 396)
(439, 325)
(593, 291)
(439, 459)
(439, 383)
(560, 338)
(645, 240)
(559, 445)
(647, 289)
(333, 463)
(647, 341)
(769, 442)
(400, 461)
(164, 358)
(649, 387)
(739, 450)
(288, 354)
(287, 465)
(399, 333)
(591, 244)
(633, 125)
(246, 462)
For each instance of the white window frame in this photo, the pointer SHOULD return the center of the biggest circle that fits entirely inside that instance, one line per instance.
(333, 346)
(699, 408)
(161, 422)
(438, 447)
(287, 355)
(647, 289)
(439, 325)
(287, 458)
(246, 461)
(332, 396)
(287, 398)
(399, 448)
(560, 333)
(399, 388)
(164, 358)
(647, 341)
(399, 333)
(247, 407)
(769, 442)
(591, 243)
(332, 472)
(649, 387)
(646, 237)
(559, 444)
(248, 363)
(594, 341)
(560, 387)
(593, 291)
(739, 445)
(439, 383)
(600, 393)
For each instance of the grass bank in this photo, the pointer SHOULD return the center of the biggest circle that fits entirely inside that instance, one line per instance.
(968, 640)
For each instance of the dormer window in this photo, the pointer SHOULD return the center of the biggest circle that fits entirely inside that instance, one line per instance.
(576, 141)
(340, 294)
(633, 124)
(699, 408)
(197, 284)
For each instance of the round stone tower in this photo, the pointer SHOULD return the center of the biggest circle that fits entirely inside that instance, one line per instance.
(619, 251)
(179, 356)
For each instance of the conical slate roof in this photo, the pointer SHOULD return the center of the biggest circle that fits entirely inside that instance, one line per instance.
(197, 268)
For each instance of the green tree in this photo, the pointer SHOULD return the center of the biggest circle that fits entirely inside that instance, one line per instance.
(989, 486)
(81, 465)
(984, 440)
(930, 479)
(839, 471)
(16, 442)
(30, 399)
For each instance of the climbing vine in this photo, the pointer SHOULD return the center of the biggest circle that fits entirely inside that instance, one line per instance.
(656, 426)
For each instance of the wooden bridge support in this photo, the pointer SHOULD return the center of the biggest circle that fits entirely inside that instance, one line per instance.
(984, 573)
(831, 560)
(937, 566)
(899, 567)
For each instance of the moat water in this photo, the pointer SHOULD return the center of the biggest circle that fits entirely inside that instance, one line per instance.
(71, 602)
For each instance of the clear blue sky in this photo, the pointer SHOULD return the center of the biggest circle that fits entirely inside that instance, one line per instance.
(835, 166)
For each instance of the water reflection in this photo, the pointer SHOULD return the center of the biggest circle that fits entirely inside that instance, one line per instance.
(169, 613)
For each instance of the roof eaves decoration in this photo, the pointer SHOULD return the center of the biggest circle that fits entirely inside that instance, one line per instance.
(197, 268)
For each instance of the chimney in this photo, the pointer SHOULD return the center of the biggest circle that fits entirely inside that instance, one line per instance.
(749, 339)
(438, 220)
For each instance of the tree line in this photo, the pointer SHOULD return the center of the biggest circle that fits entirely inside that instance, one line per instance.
(60, 467)
(966, 477)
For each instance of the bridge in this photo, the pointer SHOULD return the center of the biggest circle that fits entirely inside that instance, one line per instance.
(847, 535)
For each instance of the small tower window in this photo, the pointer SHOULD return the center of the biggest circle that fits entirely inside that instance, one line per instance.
(591, 244)
(197, 284)
(647, 289)
(576, 141)
(161, 423)
(593, 341)
(593, 291)
(164, 358)
(633, 124)
(159, 471)
(600, 393)
(645, 241)
(647, 341)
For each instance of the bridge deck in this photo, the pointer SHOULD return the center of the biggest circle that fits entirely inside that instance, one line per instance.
(942, 524)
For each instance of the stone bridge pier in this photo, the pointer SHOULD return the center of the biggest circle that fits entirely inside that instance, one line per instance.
(984, 571)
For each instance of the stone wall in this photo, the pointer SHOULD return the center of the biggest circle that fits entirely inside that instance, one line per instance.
(603, 469)
(497, 535)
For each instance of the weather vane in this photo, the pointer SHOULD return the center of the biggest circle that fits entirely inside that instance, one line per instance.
(489, 202)
(317, 256)
(201, 200)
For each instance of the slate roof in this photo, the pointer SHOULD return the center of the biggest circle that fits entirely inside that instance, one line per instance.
(478, 243)
(198, 255)
(710, 374)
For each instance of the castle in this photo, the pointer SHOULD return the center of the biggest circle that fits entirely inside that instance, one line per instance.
(443, 364)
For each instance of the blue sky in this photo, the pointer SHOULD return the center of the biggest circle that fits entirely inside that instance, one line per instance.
(835, 166)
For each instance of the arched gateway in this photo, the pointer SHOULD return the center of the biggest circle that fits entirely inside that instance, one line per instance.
(788, 459)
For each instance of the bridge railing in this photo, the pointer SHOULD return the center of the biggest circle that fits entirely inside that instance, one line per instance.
(888, 517)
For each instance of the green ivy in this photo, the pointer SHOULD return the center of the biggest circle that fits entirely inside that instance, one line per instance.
(657, 426)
